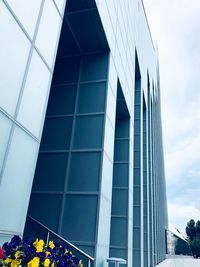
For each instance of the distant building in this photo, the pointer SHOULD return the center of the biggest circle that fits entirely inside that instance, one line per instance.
(80, 125)
(176, 243)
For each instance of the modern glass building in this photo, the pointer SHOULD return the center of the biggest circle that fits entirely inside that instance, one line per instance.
(80, 127)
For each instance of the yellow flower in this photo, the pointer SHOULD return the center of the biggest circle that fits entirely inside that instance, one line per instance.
(53, 265)
(46, 262)
(17, 254)
(47, 253)
(39, 246)
(7, 260)
(51, 244)
(34, 262)
(35, 243)
(15, 263)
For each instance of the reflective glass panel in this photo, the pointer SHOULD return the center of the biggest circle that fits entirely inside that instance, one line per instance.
(5, 126)
(27, 13)
(60, 5)
(33, 103)
(48, 31)
(14, 49)
(19, 170)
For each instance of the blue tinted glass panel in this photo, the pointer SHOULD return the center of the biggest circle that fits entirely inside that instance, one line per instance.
(84, 172)
(119, 202)
(120, 175)
(79, 218)
(122, 150)
(62, 100)
(88, 132)
(47, 216)
(118, 232)
(50, 172)
(66, 70)
(56, 134)
(137, 196)
(122, 128)
(94, 67)
(92, 97)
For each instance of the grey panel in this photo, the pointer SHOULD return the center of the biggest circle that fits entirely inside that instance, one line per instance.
(84, 172)
(119, 202)
(56, 134)
(88, 132)
(118, 236)
(120, 175)
(46, 209)
(50, 172)
(82, 211)
(91, 97)
(62, 100)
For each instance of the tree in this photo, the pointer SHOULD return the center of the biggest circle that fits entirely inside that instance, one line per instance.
(182, 247)
(193, 234)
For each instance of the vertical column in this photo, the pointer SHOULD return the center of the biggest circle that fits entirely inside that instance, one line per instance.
(138, 179)
(154, 216)
(120, 189)
(119, 215)
(105, 194)
(151, 218)
(145, 191)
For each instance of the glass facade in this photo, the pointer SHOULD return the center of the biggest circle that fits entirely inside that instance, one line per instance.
(80, 127)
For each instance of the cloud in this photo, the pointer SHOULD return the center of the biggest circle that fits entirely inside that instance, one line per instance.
(194, 173)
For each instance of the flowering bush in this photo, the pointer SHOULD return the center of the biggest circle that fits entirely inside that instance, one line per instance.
(33, 253)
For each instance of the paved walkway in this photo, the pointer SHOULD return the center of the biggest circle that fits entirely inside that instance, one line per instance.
(180, 262)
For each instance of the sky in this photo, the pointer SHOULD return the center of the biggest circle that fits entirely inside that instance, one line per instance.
(175, 28)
